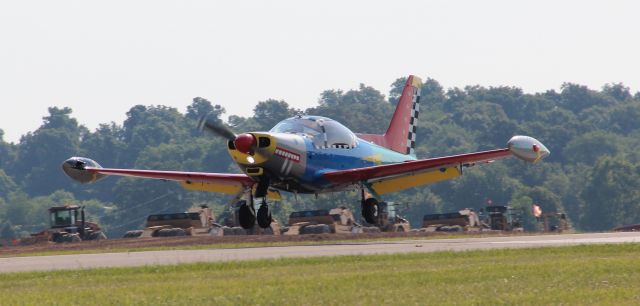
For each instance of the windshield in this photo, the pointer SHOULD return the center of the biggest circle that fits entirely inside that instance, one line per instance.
(298, 126)
(325, 132)
(62, 218)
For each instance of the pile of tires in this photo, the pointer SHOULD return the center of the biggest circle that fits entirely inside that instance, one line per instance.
(170, 232)
(233, 231)
(133, 234)
(315, 229)
(451, 228)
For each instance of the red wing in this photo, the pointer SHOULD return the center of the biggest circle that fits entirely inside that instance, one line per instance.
(202, 177)
(411, 167)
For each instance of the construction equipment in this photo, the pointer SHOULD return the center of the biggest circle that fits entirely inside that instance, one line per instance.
(502, 218)
(386, 218)
(554, 222)
(322, 221)
(196, 221)
(68, 224)
(463, 220)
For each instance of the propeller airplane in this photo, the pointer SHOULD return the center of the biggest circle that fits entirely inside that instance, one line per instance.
(313, 154)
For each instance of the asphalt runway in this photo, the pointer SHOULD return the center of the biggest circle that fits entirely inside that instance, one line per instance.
(88, 261)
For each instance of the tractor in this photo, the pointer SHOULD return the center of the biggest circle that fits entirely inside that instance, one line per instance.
(68, 224)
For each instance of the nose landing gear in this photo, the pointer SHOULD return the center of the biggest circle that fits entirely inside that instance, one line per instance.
(247, 215)
(264, 215)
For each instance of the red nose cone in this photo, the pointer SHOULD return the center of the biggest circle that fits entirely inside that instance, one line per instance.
(244, 143)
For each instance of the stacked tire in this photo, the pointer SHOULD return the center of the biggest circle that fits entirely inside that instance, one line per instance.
(170, 232)
(315, 229)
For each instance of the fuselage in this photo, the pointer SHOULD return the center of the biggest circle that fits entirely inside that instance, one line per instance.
(297, 151)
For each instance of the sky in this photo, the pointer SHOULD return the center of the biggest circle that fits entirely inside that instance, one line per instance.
(102, 57)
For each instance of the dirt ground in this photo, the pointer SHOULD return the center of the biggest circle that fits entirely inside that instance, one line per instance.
(134, 243)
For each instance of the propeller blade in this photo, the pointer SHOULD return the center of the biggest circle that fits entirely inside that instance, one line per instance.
(216, 127)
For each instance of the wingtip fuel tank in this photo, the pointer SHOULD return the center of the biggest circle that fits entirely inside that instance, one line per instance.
(527, 148)
(76, 168)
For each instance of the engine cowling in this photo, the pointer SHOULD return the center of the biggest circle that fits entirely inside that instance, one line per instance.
(76, 168)
(527, 148)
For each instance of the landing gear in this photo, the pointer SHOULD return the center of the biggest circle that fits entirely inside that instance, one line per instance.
(264, 215)
(370, 209)
(247, 215)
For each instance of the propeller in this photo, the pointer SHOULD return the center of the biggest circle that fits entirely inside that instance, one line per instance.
(245, 143)
(216, 127)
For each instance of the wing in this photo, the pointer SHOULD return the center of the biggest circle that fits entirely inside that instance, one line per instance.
(394, 177)
(85, 170)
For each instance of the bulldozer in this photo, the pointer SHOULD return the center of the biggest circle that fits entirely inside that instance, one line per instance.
(194, 222)
(68, 224)
(502, 218)
(462, 220)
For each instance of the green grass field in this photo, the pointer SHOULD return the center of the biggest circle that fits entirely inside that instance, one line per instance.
(580, 275)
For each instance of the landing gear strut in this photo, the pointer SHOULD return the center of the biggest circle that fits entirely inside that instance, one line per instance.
(264, 215)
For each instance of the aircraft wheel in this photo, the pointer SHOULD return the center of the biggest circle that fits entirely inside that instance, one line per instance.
(370, 210)
(264, 216)
(246, 216)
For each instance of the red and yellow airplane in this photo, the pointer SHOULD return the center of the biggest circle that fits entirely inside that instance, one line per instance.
(312, 154)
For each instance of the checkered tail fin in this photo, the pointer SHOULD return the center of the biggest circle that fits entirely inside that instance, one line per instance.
(401, 134)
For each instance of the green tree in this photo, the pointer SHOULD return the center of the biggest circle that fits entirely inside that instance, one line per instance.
(268, 113)
(41, 153)
(151, 126)
(611, 196)
(364, 110)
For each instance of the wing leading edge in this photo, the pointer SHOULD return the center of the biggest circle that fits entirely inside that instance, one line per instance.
(85, 170)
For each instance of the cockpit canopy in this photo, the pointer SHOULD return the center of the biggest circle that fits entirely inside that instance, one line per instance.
(325, 133)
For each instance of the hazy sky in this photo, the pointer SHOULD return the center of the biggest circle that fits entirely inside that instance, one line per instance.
(101, 58)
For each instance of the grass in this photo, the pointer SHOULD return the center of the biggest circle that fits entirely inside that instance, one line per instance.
(577, 275)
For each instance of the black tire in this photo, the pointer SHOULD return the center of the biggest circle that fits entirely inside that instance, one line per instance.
(324, 229)
(171, 232)
(133, 234)
(246, 216)
(57, 238)
(370, 210)
(264, 216)
(305, 230)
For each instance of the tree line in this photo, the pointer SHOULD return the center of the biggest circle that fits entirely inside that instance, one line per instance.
(592, 175)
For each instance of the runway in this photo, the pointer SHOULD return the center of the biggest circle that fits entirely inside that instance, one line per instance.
(102, 260)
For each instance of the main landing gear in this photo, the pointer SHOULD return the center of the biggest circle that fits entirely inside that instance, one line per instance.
(370, 209)
(247, 215)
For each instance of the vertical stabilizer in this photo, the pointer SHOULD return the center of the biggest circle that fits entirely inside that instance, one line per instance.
(401, 134)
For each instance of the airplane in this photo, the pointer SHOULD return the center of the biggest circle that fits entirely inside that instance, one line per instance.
(314, 154)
